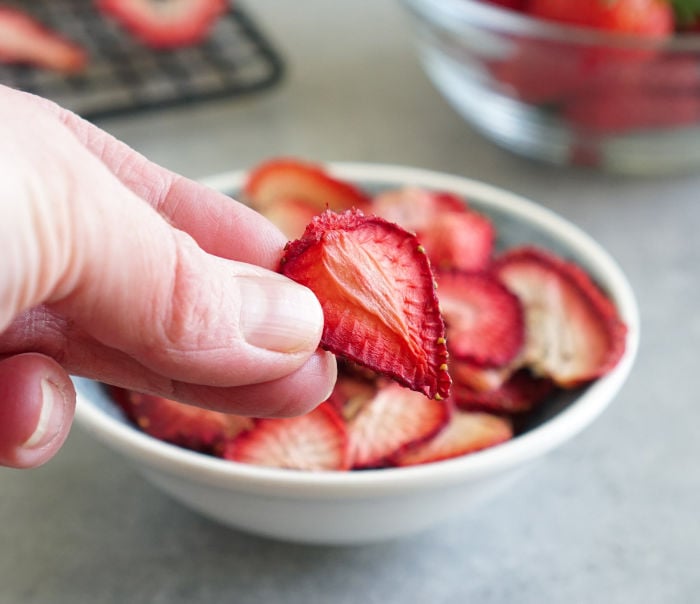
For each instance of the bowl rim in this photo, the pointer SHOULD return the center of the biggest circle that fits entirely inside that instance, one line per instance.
(454, 14)
(213, 471)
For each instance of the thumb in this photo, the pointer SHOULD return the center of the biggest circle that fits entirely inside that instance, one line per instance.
(95, 252)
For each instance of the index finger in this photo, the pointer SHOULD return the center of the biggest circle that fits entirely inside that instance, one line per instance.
(220, 225)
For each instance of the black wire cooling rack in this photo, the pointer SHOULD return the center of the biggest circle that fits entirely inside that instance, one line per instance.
(123, 76)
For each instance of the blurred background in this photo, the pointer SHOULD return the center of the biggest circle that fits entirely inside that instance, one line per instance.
(612, 518)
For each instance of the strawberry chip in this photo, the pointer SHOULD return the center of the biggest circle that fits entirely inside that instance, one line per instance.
(485, 323)
(315, 441)
(573, 332)
(185, 425)
(395, 418)
(377, 292)
(467, 432)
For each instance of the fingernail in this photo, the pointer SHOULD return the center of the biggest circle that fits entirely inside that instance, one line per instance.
(279, 315)
(51, 417)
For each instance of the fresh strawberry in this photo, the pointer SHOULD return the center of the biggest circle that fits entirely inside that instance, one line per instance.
(484, 320)
(165, 24)
(315, 441)
(282, 179)
(377, 292)
(573, 331)
(392, 420)
(519, 394)
(467, 432)
(623, 108)
(647, 17)
(414, 208)
(26, 41)
(185, 425)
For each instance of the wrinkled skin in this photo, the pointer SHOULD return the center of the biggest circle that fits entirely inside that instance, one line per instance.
(116, 269)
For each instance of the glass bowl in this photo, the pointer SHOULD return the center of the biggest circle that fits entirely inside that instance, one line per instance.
(563, 94)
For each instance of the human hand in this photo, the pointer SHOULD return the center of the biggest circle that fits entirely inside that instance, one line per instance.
(115, 269)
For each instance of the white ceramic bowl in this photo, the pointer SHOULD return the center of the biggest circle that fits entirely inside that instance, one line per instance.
(374, 505)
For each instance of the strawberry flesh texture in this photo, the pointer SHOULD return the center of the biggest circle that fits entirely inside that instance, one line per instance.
(24, 40)
(281, 179)
(573, 332)
(466, 432)
(454, 236)
(484, 320)
(165, 24)
(414, 208)
(316, 441)
(177, 423)
(521, 393)
(377, 292)
(393, 419)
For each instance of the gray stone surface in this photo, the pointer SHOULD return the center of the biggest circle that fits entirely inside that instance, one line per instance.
(610, 517)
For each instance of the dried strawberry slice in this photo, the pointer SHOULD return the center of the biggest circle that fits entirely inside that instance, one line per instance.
(459, 241)
(395, 418)
(165, 24)
(290, 216)
(485, 321)
(281, 179)
(573, 331)
(414, 208)
(185, 425)
(479, 378)
(24, 40)
(315, 441)
(454, 235)
(378, 297)
(467, 432)
(519, 394)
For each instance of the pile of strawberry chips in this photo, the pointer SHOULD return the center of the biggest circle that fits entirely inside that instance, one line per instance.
(443, 341)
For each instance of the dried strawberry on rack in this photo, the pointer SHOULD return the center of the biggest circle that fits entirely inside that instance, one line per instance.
(165, 24)
(24, 40)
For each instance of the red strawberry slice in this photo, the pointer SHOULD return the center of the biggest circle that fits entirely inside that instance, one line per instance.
(414, 208)
(467, 432)
(315, 441)
(165, 24)
(479, 378)
(484, 320)
(392, 420)
(351, 393)
(291, 216)
(458, 240)
(281, 179)
(573, 331)
(24, 40)
(376, 289)
(519, 394)
(180, 424)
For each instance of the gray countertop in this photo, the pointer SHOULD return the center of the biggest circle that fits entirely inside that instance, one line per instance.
(611, 517)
